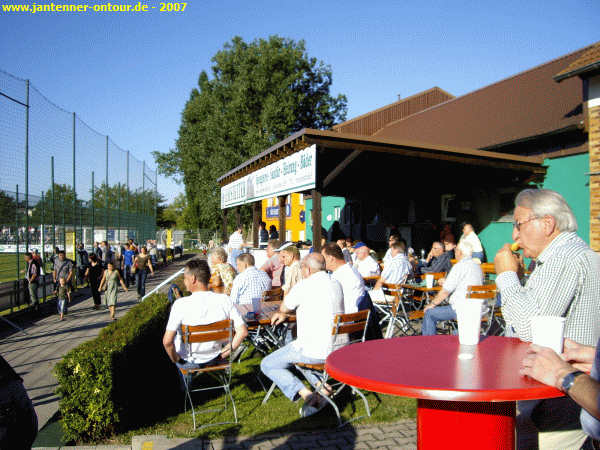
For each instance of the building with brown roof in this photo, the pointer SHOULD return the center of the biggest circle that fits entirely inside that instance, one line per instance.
(461, 158)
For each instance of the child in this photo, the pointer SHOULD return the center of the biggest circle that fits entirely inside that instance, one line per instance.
(62, 296)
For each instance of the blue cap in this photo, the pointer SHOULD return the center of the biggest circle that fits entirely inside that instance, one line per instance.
(359, 245)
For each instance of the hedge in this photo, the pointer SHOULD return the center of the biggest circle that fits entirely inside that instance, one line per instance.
(121, 380)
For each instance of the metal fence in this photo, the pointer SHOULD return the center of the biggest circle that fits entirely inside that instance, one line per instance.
(62, 182)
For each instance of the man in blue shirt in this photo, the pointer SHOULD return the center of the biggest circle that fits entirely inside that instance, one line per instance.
(128, 255)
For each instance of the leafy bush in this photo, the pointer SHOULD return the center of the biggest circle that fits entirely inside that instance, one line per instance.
(120, 380)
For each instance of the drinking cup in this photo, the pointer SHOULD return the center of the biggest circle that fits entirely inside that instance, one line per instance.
(468, 315)
(429, 281)
(548, 331)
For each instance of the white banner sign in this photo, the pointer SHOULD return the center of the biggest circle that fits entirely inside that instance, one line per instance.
(294, 173)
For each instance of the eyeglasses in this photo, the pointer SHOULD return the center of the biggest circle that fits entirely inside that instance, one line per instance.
(518, 225)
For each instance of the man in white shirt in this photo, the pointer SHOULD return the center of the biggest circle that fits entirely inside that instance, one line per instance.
(316, 299)
(250, 282)
(365, 263)
(201, 308)
(353, 286)
(470, 236)
(235, 244)
(466, 272)
(397, 268)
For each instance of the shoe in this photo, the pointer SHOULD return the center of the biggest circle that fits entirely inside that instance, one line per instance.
(308, 410)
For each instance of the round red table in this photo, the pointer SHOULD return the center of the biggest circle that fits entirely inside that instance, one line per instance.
(461, 403)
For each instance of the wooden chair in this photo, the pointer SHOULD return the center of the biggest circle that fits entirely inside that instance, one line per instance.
(396, 311)
(220, 371)
(273, 295)
(486, 292)
(354, 324)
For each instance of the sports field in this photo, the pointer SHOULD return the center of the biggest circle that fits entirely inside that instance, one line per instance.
(8, 266)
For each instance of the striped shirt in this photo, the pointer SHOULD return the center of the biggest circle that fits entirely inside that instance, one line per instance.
(396, 269)
(249, 284)
(564, 283)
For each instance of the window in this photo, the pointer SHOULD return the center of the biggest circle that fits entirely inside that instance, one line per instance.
(301, 202)
(302, 234)
(288, 235)
(337, 213)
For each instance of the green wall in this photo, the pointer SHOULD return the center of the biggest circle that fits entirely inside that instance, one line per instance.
(328, 206)
(566, 176)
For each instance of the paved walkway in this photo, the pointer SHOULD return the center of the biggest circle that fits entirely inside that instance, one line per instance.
(399, 435)
(33, 355)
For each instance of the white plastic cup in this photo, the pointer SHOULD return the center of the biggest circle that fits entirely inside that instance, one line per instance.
(429, 281)
(548, 331)
(256, 304)
(468, 315)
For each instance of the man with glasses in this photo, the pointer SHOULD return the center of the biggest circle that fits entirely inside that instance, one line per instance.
(564, 283)
(438, 260)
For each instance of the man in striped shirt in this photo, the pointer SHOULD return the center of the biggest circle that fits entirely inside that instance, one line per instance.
(564, 283)
(250, 282)
(397, 268)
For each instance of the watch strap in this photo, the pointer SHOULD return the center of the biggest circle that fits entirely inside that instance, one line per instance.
(569, 380)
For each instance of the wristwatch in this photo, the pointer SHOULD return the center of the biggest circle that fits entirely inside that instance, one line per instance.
(569, 380)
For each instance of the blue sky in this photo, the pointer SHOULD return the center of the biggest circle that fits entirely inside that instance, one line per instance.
(129, 75)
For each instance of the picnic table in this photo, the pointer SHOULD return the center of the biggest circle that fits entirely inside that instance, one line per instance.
(461, 403)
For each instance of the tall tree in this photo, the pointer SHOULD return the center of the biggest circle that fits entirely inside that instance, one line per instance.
(258, 94)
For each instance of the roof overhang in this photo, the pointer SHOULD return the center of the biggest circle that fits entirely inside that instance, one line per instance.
(588, 70)
(332, 140)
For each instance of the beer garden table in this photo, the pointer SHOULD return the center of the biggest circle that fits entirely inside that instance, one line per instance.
(461, 403)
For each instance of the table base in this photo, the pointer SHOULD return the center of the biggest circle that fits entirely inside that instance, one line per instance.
(481, 425)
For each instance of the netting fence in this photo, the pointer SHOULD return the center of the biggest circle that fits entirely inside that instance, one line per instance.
(62, 182)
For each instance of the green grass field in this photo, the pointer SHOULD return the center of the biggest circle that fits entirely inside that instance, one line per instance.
(8, 266)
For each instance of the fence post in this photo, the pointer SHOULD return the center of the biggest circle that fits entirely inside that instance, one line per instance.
(119, 213)
(53, 204)
(18, 243)
(42, 239)
(143, 198)
(64, 226)
(128, 206)
(27, 167)
(155, 201)
(106, 195)
(93, 211)
(74, 188)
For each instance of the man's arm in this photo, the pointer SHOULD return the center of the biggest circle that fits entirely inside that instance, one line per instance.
(240, 334)
(544, 365)
(169, 345)
(548, 292)
(438, 299)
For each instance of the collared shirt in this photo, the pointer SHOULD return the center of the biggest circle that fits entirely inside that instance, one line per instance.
(396, 269)
(464, 273)
(201, 308)
(590, 424)
(63, 268)
(273, 267)
(353, 286)
(316, 299)
(367, 267)
(33, 269)
(292, 276)
(564, 283)
(472, 239)
(440, 264)
(236, 241)
(249, 284)
(388, 256)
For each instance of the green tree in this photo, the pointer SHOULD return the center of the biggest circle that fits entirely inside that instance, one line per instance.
(63, 199)
(259, 93)
(7, 209)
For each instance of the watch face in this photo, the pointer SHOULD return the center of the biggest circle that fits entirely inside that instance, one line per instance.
(569, 379)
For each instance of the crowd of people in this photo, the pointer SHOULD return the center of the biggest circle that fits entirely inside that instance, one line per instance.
(104, 268)
(564, 282)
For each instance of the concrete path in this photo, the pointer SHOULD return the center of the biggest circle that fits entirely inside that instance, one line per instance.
(399, 435)
(33, 355)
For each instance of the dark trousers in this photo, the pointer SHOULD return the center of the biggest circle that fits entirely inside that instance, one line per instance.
(140, 277)
(94, 285)
(128, 275)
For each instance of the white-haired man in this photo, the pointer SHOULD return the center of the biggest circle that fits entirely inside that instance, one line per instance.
(365, 263)
(317, 298)
(466, 272)
(564, 283)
